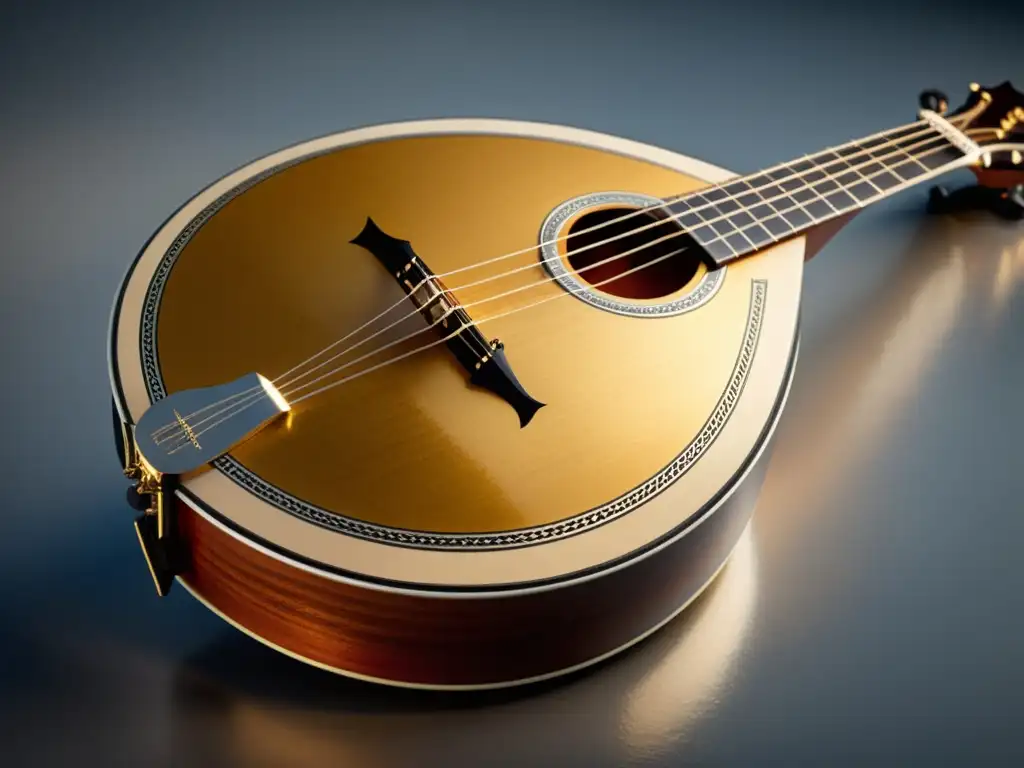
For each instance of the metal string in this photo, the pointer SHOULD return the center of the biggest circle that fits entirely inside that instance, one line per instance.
(966, 118)
(676, 234)
(657, 222)
(512, 311)
(421, 349)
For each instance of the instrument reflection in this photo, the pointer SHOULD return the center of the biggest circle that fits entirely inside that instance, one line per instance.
(852, 383)
(634, 705)
(1009, 272)
(855, 394)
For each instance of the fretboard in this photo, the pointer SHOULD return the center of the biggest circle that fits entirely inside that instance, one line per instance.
(738, 217)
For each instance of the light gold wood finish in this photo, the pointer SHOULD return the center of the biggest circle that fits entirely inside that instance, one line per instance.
(271, 278)
(274, 273)
(403, 527)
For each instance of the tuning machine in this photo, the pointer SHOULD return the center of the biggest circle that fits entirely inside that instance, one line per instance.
(933, 100)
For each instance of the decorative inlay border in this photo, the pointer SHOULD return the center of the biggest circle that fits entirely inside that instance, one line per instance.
(551, 231)
(467, 541)
(542, 533)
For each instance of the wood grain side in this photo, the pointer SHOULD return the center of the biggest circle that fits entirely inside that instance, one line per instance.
(446, 641)
(818, 237)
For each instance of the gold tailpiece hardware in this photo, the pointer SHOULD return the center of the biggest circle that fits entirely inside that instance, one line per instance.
(164, 443)
(154, 528)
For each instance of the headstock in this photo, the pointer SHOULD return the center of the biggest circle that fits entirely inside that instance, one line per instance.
(993, 118)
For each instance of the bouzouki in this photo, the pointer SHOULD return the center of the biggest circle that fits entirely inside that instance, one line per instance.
(472, 403)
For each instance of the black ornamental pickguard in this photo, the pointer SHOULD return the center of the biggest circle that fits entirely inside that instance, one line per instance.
(484, 360)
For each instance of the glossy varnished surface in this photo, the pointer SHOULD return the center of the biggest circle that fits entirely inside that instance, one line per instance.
(274, 272)
(764, 291)
(873, 617)
(438, 641)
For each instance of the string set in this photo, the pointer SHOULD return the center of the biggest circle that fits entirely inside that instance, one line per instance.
(235, 404)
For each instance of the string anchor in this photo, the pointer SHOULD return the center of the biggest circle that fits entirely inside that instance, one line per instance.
(149, 494)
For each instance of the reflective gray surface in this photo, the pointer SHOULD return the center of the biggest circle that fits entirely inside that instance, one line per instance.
(873, 612)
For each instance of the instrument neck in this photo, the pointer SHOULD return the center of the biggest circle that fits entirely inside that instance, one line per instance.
(744, 215)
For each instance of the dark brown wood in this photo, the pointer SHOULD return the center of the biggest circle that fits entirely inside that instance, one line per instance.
(999, 178)
(449, 641)
(818, 237)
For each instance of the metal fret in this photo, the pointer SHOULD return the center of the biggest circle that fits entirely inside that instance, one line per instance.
(728, 235)
(694, 212)
(833, 188)
(755, 226)
(789, 217)
(757, 232)
(862, 186)
(877, 169)
(906, 166)
(776, 188)
(813, 194)
(749, 232)
(749, 213)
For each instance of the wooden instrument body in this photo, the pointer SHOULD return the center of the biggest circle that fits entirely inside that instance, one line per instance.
(403, 527)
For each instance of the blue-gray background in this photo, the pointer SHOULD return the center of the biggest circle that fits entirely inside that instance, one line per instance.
(875, 613)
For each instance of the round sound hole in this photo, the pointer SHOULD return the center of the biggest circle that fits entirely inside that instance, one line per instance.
(638, 265)
(631, 254)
